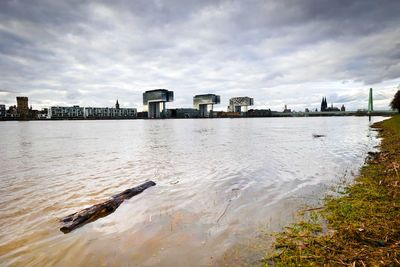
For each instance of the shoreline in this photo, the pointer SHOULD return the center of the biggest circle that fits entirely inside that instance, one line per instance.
(274, 115)
(359, 226)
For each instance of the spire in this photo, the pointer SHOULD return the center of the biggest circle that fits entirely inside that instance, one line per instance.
(117, 105)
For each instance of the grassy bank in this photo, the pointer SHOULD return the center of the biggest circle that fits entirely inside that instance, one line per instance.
(361, 227)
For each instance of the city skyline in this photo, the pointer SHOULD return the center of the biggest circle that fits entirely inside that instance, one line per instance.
(235, 104)
(277, 52)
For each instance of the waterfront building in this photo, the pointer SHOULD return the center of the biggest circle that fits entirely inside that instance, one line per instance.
(205, 104)
(12, 111)
(142, 115)
(22, 106)
(33, 113)
(154, 102)
(223, 114)
(183, 113)
(74, 112)
(287, 110)
(259, 113)
(109, 113)
(236, 104)
(2, 111)
(43, 116)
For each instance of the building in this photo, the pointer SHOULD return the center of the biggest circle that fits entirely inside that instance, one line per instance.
(22, 106)
(324, 106)
(74, 112)
(33, 113)
(117, 105)
(236, 104)
(184, 113)
(287, 110)
(109, 113)
(259, 113)
(2, 111)
(12, 111)
(44, 114)
(142, 115)
(223, 114)
(154, 102)
(205, 104)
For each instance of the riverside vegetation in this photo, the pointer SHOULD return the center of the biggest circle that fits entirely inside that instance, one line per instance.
(360, 226)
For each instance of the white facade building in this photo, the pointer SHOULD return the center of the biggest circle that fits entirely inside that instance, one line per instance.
(66, 112)
(99, 113)
(76, 112)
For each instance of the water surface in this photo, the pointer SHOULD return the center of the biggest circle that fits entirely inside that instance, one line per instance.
(217, 180)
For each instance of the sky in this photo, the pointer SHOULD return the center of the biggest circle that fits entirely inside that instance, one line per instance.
(91, 53)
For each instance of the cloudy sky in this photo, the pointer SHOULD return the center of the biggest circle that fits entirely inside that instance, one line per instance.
(91, 53)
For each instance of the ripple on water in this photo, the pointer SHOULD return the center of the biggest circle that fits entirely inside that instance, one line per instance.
(217, 180)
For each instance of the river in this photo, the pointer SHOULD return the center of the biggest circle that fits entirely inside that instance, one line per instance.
(217, 180)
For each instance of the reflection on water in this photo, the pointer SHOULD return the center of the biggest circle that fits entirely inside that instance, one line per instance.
(217, 181)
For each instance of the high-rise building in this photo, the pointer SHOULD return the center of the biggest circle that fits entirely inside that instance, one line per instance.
(22, 106)
(154, 102)
(205, 104)
(236, 104)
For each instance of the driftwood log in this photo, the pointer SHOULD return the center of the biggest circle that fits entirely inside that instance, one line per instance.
(103, 209)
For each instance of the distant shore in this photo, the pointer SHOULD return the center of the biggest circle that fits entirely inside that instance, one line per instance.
(219, 115)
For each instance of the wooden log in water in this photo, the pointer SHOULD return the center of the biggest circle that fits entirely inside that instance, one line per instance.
(103, 209)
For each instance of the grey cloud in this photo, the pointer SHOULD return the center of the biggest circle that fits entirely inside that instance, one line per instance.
(7, 91)
(96, 51)
(348, 97)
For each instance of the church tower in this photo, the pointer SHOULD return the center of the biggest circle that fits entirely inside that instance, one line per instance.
(323, 104)
(117, 105)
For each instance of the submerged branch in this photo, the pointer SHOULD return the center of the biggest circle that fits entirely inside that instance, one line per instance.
(100, 210)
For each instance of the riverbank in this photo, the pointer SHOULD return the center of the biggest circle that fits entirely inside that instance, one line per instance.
(358, 228)
(220, 115)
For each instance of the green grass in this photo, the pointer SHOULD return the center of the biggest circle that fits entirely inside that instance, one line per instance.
(393, 123)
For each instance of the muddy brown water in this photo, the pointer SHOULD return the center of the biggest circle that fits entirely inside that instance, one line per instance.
(217, 180)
